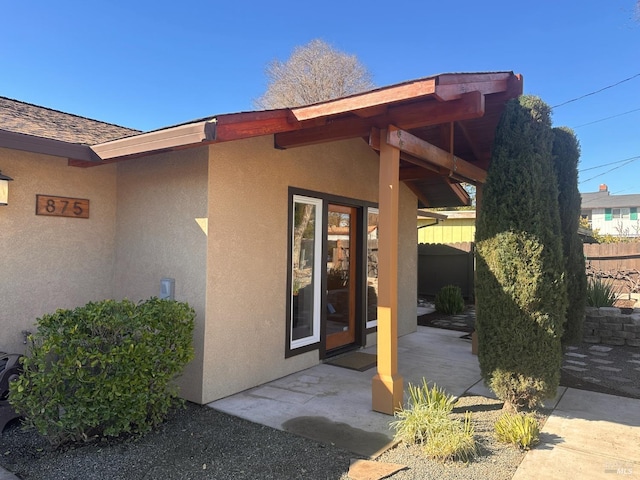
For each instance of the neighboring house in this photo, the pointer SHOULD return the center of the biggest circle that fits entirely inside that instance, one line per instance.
(608, 214)
(450, 226)
(259, 218)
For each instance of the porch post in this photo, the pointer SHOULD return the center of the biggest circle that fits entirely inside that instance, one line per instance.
(386, 388)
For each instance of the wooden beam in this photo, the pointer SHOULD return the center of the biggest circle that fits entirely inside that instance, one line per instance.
(422, 150)
(459, 191)
(409, 90)
(456, 90)
(253, 124)
(414, 115)
(419, 173)
(386, 386)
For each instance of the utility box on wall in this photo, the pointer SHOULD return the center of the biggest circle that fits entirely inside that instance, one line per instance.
(168, 288)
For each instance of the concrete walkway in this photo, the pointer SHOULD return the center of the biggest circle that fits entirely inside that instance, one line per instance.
(588, 435)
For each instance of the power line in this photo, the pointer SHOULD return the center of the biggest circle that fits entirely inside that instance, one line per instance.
(630, 160)
(610, 163)
(597, 91)
(607, 118)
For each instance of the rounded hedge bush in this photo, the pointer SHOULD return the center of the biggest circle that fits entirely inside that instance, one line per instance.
(104, 369)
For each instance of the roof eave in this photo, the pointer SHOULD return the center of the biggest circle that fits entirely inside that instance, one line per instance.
(47, 146)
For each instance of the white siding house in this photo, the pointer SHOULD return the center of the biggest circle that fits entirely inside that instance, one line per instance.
(608, 214)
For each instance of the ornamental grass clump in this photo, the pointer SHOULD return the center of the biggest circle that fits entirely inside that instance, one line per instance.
(449, 300)
(518, 429)
(600, 293)
(426, 421)
(104, 369)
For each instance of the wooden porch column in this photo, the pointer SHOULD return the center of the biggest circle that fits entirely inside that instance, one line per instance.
(474, 335)
(387, 388)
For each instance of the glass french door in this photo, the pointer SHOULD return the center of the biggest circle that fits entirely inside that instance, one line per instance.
(341, 246)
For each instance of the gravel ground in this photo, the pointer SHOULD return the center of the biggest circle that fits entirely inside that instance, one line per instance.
(201, 443)
(495, 461)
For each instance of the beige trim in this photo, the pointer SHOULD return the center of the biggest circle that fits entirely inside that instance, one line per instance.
(182, 135)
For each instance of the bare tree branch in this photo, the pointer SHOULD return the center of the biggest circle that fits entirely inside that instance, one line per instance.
(315, 72)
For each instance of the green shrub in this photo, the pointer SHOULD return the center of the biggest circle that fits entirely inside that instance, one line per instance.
(518, 429)
(521, 296)
(600, 293)
(104, 369)
(449, 300)
(566, 155)
(426, 422)
(518, 391)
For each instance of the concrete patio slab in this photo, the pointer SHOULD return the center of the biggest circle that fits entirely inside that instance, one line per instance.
(589, 435)
(326, 402)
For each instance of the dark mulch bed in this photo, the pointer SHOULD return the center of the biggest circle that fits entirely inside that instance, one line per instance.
(448, 322)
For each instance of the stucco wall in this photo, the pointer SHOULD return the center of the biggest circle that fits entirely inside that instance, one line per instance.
(247, 253)
(161, 202)
(52, 262)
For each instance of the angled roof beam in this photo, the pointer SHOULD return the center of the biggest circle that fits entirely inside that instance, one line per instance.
(366, 100)
(417, 114)
(426, 152)
(460, 192)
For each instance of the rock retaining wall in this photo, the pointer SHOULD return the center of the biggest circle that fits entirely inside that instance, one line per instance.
(608, 325)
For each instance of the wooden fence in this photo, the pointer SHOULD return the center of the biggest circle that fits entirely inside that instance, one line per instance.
(613, 256)
(445, 264)
(453, 264)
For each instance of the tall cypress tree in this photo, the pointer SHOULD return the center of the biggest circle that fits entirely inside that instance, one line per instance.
(520, 290)
(566, 154)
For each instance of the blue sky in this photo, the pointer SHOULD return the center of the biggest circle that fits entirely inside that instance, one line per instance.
(148, 64)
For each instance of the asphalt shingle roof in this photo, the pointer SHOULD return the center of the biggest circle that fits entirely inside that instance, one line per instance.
(604, 200)
(21, 117)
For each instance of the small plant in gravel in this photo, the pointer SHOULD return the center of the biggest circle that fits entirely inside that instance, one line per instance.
(519, 429)
(103, 369)
(426, 421)
(600, 293)
(451, 439)
(449, 300)
(434, 398)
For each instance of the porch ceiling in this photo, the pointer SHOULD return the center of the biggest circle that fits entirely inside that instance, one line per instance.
(451, 117)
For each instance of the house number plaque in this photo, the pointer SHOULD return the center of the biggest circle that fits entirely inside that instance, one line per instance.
(62, 206)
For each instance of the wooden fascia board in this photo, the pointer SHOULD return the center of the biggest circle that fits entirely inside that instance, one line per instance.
(420, 114)
(169, 138)
(253, 124)
(425, 151)
(456, 90)
(410, 90)
(423, 213)
(47, 146)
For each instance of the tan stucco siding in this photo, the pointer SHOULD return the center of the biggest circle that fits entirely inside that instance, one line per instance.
(407, 263)
(247, 253)
(159, 203)
(52, 262)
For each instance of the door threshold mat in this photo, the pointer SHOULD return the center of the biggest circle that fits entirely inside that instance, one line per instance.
(359, 361)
